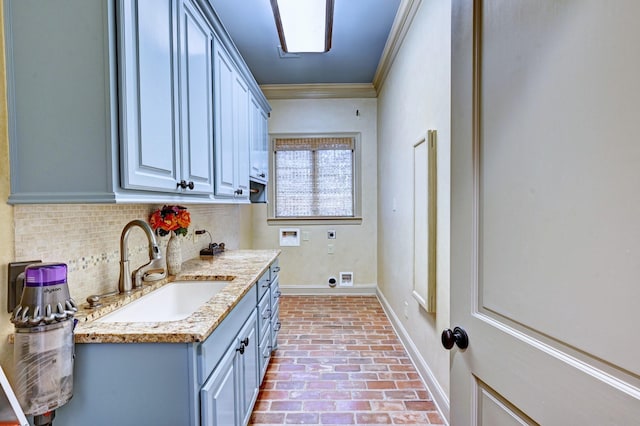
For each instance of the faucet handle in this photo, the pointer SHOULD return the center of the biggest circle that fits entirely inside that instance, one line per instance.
(94, 301)
(154, 275)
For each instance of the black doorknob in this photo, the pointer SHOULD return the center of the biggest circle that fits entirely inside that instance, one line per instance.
(458, 337)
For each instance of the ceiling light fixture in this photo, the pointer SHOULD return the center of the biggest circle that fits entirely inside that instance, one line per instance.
(304, 26)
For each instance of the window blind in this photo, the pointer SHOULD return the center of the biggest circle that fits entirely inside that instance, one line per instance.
(314, 177)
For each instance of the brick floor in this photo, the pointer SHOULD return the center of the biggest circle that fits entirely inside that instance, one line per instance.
(340, 362)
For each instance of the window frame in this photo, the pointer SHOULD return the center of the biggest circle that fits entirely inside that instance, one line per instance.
(310, 220)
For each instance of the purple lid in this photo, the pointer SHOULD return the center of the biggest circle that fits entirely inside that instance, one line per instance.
(44, 274)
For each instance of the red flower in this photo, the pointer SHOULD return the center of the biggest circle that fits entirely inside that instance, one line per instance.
(170, 218)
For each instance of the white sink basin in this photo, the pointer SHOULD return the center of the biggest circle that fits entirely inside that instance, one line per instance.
(171, 302)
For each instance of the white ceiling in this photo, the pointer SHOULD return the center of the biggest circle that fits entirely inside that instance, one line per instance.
(360, 31)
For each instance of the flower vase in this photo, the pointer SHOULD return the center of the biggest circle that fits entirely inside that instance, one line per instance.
(174, 255)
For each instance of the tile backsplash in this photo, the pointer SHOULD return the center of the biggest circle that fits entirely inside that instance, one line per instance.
(87, 238)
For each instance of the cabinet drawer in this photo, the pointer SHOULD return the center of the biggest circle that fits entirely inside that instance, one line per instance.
(275, 293)
(210, 351)
(274, 270)
(265, 354)
(263, 285)
(276, 324)
(264, 314)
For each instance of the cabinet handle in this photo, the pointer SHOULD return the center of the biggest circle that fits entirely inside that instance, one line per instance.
(243, 343)
(184, 184)
(278, 294)
(276, 269)
(238, 191)
(277, 326)
(266, 284)
(262, 175)
(267, 314)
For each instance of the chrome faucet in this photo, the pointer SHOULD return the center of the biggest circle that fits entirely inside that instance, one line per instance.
(125, 284)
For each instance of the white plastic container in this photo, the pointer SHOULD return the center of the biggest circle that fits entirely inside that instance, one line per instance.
(44, 366)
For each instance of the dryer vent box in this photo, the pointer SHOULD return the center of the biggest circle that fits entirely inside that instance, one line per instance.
(289, 236)
(346, 279)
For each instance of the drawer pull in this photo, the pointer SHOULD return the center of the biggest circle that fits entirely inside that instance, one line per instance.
(277, 326)
(243, 343)
(267, 314)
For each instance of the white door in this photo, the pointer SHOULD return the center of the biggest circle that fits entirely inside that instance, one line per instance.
(545, 226)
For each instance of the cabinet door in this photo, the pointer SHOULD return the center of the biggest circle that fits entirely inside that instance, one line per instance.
(148, 88)
(224, 139)
(218, 396)
(196, 99)
(258, 141)
(241, 136)
(249, 370)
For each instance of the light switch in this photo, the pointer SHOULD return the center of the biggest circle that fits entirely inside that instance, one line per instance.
(330, 248)
(305, 235)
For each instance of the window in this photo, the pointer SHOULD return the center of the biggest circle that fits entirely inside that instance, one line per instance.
(315, 177)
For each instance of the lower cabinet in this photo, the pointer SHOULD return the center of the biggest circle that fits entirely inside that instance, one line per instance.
(218, 397)
(268, 316)
(228, 396)
(274, 270)
(209, 383)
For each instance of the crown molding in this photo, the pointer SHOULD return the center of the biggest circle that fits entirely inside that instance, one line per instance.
(318, 91)
(406, 12)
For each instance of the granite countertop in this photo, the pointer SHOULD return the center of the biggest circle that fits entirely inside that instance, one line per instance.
(242, 268)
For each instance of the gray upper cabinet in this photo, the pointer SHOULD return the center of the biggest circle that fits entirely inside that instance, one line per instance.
(150, 127)
(241, 136)
(232, 128)
(197, 100)
(62, 101)
(259, 155)
(225, 164)
(166, 87)
(113, 101)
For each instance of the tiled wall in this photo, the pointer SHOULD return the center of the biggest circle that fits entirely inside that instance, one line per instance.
(87, 238)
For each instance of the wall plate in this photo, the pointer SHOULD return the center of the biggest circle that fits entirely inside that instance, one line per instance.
(13, 289)
(346, 279)
(289, 237)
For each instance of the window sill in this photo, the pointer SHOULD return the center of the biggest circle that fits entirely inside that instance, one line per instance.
(314, 221)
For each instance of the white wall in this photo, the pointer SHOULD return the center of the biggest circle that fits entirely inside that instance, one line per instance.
(308, 267)
(414, 98)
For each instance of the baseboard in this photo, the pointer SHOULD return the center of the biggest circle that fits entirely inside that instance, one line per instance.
(440, 397)
(325, 290)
